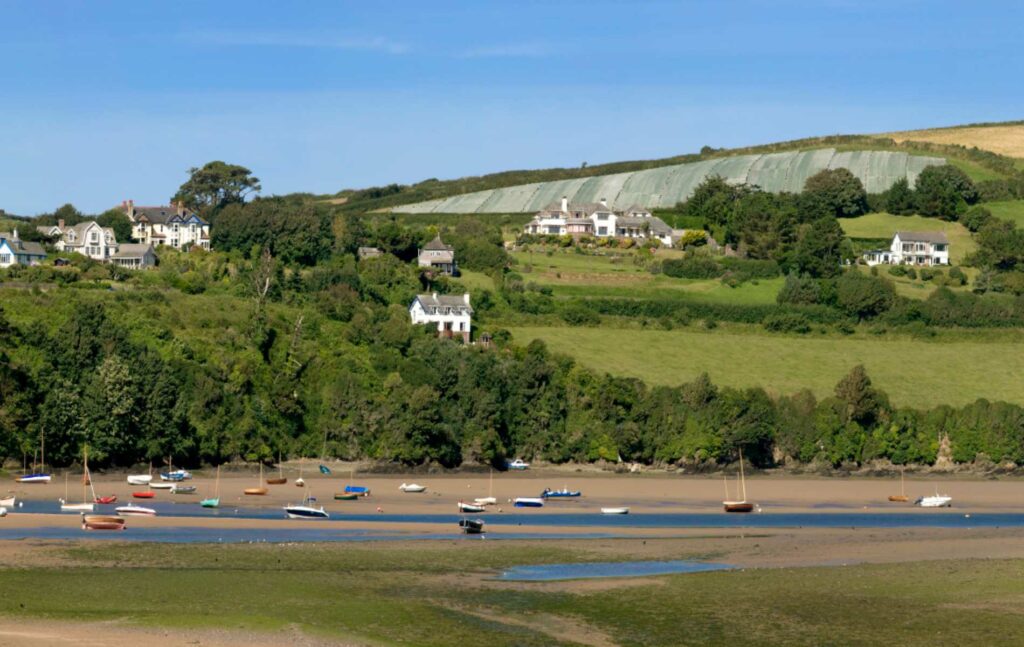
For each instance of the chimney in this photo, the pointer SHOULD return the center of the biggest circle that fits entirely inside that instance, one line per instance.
(565, 204)
(16, 238)
(435, 296)
(465, 297)
(604, 202)
(131, 208)
(181, 208)
(60, 223)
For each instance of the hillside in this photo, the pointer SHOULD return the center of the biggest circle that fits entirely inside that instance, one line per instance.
(1002, 138)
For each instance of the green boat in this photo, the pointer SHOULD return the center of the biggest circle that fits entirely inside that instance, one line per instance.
(345, 496)
(214, 501)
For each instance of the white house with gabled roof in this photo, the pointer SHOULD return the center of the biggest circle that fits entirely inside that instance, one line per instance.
(912, 248)
(452, 315)
(87, 238)
(600, 220)
(171, 225)
(15, 251)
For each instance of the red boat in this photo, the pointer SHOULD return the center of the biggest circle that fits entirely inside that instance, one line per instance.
(106, 500)
(148, 494)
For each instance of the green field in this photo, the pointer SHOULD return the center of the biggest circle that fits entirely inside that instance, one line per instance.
(1008, 210)
(914, 373)
(617, 276)
(884, 225)
(439, 595)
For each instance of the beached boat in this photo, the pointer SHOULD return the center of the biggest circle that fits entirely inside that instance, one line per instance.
(139, 479)
(490, 499)
(470, 507)
(8, 501)
(564, 493)
(84, 506)
(146, 494)
(102, 522)
(472, 526)
(162, 486)
(280, 479)
(359, 490)
(614, 510)
(256, 491)
(412, 487)
(3, 512)
(305, 510)
(183, 489)
(935, 501)
(902, 496)
(528, 502)
(135, 511)
(41, 476)
(518, 464)
(214, 501)
(742, 505)
(35, 478)
(106, 500)
(345, 496)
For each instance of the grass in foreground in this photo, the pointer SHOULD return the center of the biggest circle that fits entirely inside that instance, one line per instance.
(435, 594)
(784, 364)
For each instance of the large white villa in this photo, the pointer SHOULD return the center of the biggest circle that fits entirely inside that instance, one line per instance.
(600, 220)
(172, 225)
(87, 238)
(451, 314)
(912, 248)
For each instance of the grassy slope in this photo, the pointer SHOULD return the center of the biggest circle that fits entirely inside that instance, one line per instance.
(434, 595)
(884, 225)
(913, 372)
(1008, 210)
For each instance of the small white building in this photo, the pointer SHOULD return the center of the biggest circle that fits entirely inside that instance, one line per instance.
(600, 220)
(451, 314)
(135, 256)
(87, 238)
(912, 248)
(15, 251)
(171, 225)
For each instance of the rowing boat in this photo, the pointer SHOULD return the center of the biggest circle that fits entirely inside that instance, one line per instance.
(135, 511)
(102, 522)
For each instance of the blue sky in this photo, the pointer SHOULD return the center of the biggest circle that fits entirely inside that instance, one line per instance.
(103, 101)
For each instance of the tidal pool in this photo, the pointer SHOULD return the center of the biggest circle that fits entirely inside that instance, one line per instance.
(552, 572)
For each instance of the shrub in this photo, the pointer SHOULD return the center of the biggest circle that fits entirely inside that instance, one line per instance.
(692, 267)
(578, 315)
(945, 192)
(897, 270)
(911, 274)
(976, 217)
(927, 274)
(834, 192)
(864, 296)
(787, 322)
(957, 275)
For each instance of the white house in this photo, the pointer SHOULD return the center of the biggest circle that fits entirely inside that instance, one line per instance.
(451, 314)
(912, 248)
(598, 219)
(15, 251)
(86, 238)
(134, 255)
(436, 255)
(172, 225)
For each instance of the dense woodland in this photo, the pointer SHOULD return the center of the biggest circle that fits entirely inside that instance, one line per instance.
(282, 341)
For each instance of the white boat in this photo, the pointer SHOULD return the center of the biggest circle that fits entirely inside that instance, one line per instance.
(470, 507)
(487, 500)
(35, 478)
(135, 511)
(528, 502)
(162, 486)
(77, 507)
(7, 502)
(140, 479)
(3, 512)
(614, 510)
(86, 505)
(518, 464)
(412, 487)
(935, 501)
(306, 510)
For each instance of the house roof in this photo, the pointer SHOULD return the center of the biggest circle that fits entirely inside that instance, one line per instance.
(441, 258)
(437, 245)
(18, 245)
(655, 225)
(635, 208)
(923, 236)
(133, 250)
(432, 301)
(163, 215)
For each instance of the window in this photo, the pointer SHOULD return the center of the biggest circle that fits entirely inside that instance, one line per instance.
(940, 247)
(5, 259)
(602, 231)
(602, 216)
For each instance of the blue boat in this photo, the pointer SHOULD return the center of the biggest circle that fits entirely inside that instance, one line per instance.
(361, 490)
(564, 493)
(528, 502)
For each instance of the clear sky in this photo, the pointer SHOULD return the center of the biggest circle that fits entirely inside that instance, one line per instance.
(102, 101)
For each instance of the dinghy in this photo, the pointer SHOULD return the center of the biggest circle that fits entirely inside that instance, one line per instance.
(518, 464)
(345, 496)
(139, 479)
(35, 478)
(7, 502)
(470, 507)
(742, 505)
(528, 502)
(106, 500)
(40, 476)
(183, 489)
(256, 491)
(564, 493)
(84, 506)
(102, 522)
(147, 494)
(214, 501)
(135, 511)
(280, 479)
(490, 499)
(472, 526)
(614, 510)
(161, 486)
(902, 496)
(935, 501)
(412, 487)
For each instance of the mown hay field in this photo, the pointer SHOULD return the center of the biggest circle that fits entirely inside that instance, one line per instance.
(1002, 139)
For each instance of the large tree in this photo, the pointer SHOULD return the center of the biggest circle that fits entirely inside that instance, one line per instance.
(821, 249)
(294, 231)
(834, 192)
(944, 191)
(216, 185)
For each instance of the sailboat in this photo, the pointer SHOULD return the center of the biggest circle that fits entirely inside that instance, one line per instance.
(305, 510)
(489, 499)
(360, 490)
(281, 479)
(141, 479)
(936, 501)
(41, 476)
(742, 505)
(257, 491)
(213, 502)
(300, 482)
(84, 506)
(902, 496)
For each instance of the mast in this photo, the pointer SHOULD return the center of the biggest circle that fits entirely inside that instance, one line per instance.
(743, 480)
(42, 451)
(490, 485)
(85, 470)
(216, 484)
(903, 491)
(725, 482)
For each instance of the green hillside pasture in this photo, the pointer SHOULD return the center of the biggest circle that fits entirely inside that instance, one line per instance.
(884, 225)
(914, 373)
(1008, 210)
(617, 276)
